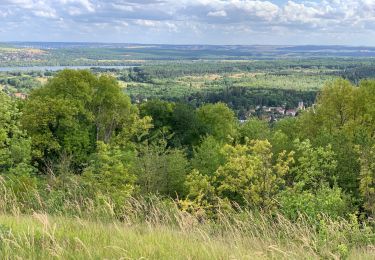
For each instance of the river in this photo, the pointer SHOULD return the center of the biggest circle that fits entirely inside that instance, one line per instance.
(57, 68)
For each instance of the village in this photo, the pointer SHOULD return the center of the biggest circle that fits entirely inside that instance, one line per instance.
(273, 114)
(11, 55)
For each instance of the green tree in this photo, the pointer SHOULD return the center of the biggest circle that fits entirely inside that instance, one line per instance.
(15, 153)
(208, 156)
(332, 202)
(248, 176)
(336, 106)
(185, 125)
(367, 178)
(218, 120)
(201, 198)
(73, 111)
(15, 146)
(334, 111)
(159, 169)
(108, 175)
(111, 108)
(58, 119)
(314, 166)
(290, 127)
(363, 127)
(344, 117)
(160, 111)
(255, 129)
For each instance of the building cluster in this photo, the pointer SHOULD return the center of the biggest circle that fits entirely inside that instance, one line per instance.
(272, 114)
(22, 55)
(19, 95)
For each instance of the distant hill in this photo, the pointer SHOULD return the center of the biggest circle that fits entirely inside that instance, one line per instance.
(133, 54)
(244, 51)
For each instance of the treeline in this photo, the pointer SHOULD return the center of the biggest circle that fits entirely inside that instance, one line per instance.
(332, 66)
(79, 137)
(359, 73)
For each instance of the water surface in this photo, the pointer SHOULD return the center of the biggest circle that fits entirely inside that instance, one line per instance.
(57, 68)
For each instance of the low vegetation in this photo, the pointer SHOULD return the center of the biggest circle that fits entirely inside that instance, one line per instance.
(157, 229)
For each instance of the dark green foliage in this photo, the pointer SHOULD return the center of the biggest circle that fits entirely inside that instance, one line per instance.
(58, 119)
(15, 145)
(186, 126)
(160, 111)
(74, 111)
(180, 119)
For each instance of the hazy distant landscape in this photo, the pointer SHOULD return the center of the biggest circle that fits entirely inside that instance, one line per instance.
(269, 76)
(86, 54)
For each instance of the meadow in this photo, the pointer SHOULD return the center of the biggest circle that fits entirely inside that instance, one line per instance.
(157, 229)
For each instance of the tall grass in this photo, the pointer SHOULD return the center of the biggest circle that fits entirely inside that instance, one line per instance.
(35, 226)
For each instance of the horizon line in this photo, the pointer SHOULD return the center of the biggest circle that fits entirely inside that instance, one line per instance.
(190, 44)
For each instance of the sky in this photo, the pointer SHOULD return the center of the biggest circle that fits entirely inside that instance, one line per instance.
(245, 22)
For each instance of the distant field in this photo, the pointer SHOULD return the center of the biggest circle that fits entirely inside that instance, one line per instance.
(302, 80)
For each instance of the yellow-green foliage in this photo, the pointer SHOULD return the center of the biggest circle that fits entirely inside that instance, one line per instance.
(249, 174)
(367, 179)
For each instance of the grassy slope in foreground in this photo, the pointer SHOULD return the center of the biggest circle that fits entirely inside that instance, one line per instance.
(43, 237)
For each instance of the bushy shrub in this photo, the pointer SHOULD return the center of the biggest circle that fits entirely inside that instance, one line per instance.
(332, 202)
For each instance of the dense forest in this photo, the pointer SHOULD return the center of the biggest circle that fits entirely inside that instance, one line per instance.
(78, 146)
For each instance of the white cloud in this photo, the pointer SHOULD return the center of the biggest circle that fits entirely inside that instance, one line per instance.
(264, 9)
(221, 13)
(82, 3)
(127, 8)
(4, 14)
(191, 17)
(172, 27)
(45, 14)
(147, 23)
